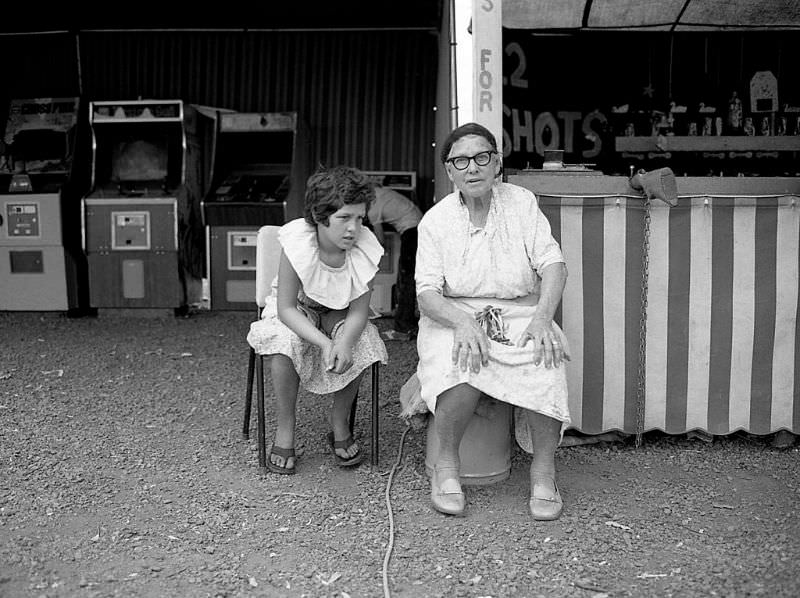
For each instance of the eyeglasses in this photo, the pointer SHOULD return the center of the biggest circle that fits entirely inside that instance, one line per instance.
(462, 162)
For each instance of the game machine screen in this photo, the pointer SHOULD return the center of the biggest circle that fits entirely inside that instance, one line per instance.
(259, 171)
(136, 210)
(42, 267)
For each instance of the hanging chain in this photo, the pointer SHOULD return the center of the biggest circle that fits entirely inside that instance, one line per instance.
(641, 382)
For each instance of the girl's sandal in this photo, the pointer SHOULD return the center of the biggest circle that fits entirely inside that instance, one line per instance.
(344, 445)
(285, 453)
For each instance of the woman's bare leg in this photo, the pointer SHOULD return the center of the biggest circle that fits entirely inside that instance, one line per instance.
(546, 434)
(454, 409)
(285, 383)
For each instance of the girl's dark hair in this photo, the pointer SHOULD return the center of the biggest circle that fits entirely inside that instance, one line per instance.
(329, 189)
(463, 131)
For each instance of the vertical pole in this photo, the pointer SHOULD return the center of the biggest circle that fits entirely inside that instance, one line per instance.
(78, 63)
(446, 101)
(248, 397)
(451, 34)
(375, 414)
(262, 443)
(487, 47)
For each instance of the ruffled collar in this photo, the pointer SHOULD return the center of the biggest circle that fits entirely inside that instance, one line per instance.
(332, 287)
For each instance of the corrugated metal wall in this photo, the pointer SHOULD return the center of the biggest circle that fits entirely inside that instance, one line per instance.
(367, 97)
(36, 66)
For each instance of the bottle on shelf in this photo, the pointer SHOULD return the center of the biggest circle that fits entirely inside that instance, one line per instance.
(780, 126)
(748, 127)
(766, 126)
(734, 120)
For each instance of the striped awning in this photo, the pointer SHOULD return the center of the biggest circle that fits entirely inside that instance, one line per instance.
(649, 15)
(711, 341)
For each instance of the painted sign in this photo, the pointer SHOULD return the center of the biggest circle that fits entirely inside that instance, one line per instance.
(537, 117)
(487, 40)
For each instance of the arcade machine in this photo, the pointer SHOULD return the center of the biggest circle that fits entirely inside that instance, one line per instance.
(132, 215)
(384, 295)
(41, 262)
(258, 178)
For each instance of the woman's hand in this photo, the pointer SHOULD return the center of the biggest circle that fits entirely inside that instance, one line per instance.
(547, 343)
(470, 345)
(339, 357)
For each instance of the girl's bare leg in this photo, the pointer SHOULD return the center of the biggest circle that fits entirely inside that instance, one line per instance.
(339, 417)
(285, 383)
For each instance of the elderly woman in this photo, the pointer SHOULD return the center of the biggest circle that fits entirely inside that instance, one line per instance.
(489, 277)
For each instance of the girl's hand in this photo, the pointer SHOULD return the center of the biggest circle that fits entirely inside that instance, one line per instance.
(470, 345)
(547, 343)
(340, 358)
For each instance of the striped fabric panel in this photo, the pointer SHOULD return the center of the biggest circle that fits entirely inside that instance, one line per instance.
(678, 266)
(743, 314)
(721, 321)
(764, 276)
(786, 343)
(615, 305)
(659, 301)
(570, 218)
(699, 324)
(601, 307)
(634, 337)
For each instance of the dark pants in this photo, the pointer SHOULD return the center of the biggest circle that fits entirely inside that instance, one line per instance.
(405, 314)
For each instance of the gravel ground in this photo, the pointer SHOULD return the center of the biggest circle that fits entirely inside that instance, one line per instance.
(124, 474)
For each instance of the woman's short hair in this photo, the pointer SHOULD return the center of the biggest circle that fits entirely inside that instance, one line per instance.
(329, 189)
(463, 131)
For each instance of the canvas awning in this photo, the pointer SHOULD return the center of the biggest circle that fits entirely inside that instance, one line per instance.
(651, 15)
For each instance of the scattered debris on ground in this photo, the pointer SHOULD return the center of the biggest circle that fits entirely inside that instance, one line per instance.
(124, 474)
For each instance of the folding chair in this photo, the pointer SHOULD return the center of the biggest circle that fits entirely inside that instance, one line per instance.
(268, 251)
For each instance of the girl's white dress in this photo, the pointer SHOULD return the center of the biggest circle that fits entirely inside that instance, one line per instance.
(323, 288)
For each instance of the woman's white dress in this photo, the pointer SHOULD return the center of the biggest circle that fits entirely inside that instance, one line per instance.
(494, 266)
(322, 288)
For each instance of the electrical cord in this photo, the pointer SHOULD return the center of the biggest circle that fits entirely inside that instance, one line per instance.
(390, 546)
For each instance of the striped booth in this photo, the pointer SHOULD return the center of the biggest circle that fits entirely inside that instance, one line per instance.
(679, 318)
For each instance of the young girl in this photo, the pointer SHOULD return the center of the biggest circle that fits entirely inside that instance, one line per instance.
(315, 322)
